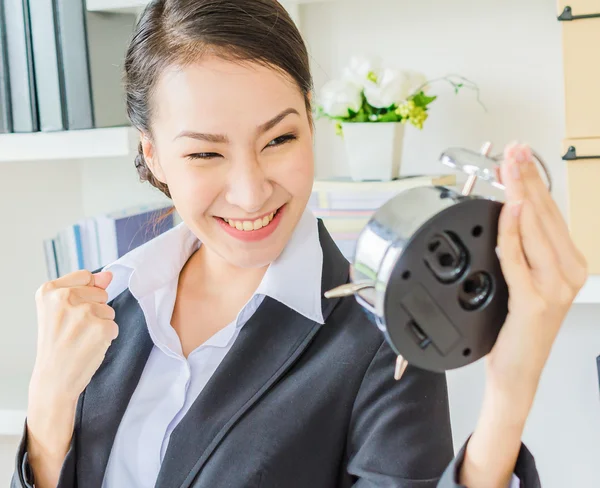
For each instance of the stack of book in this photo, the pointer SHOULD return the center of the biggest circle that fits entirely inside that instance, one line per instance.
(95, 242)
(56, 60)
(345, 206)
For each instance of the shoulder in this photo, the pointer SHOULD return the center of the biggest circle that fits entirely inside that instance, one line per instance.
(351, 337)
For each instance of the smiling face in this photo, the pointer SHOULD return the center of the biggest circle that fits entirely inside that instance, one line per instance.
(233, 142)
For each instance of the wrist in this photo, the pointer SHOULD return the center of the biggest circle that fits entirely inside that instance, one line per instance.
(505, 410)
(492, 450)
(50, 423)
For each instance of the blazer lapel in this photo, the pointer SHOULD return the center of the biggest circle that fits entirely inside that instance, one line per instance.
(107, 396)
(268, 345)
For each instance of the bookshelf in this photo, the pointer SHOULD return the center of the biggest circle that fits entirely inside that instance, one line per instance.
(74, 144)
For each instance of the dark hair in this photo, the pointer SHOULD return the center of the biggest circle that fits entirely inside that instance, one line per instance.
(179, 32)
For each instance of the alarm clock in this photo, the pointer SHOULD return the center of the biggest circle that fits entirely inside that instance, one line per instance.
(426, 271)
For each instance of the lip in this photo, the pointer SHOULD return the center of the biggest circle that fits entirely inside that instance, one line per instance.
(253, 235)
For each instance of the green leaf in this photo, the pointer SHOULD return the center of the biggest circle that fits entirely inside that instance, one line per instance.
(422, 100)
(390, 117)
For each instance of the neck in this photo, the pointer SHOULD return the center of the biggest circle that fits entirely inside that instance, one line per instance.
(210, 274)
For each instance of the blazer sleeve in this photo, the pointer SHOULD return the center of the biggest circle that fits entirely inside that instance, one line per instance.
(23, 475)
(525, 475)
(399, 434)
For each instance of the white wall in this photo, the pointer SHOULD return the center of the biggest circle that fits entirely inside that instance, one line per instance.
(512, 50)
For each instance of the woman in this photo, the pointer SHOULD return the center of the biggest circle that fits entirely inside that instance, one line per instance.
(220, 364)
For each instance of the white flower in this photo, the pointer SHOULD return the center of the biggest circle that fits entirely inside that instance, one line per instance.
(416, 80)
(361, 68)
(392, 87)
(337, 96)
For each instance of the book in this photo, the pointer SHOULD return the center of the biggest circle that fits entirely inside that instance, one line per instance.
(48, 69)
(23, 103)
(91, 48)
(345, 206)
(50, 255)
(95, 242)
(5, 115)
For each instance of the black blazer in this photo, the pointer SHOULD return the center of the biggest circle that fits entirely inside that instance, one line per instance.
(294, 404)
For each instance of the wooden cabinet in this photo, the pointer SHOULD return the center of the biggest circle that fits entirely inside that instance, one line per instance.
(580, 22)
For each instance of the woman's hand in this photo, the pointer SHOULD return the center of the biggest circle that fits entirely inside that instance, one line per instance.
(544, 271)
(75, 329)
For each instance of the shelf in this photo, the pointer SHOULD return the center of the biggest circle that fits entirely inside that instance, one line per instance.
(13, 401)
(116, 6)
(75, 144)
(11, 422)
(590, 293)
(134, 6)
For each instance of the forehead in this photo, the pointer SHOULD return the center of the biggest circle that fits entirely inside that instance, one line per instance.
(215, 90)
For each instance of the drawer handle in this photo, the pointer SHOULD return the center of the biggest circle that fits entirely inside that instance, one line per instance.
(568, 15)
(571, 155)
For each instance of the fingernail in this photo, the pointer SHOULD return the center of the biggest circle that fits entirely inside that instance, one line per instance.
(510, 149)
(520, 156)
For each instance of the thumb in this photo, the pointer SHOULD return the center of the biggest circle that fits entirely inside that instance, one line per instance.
(101, 280)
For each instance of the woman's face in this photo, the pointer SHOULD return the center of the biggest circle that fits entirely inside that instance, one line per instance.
(233, 142)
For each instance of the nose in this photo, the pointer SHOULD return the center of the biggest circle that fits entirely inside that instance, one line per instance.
(248, 186)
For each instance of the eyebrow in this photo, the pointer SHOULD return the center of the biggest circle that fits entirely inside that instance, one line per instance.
(223, 139)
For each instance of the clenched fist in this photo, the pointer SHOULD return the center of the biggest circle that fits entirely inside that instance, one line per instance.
(75, 329)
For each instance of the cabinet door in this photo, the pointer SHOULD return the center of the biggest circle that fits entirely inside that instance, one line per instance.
(583, 171)
(581, 56)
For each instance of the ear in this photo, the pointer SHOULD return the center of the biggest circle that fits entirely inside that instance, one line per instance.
(151, 160)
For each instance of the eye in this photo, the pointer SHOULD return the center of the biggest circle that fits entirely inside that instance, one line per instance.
(281, 140)
(207, 155)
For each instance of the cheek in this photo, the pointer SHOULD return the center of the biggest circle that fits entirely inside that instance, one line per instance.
(193, 190)
(297, 174)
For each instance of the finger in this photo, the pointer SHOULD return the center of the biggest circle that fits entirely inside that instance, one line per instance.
(537, 247)
(509, 150)
(83, 277)
(536, 189)
(509, 153)
(513, 183)
(90, 294)
(569, 258)
(102, 279)
(98, 310)
(512, 259)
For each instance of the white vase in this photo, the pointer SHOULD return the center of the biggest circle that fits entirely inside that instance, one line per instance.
(373, 149)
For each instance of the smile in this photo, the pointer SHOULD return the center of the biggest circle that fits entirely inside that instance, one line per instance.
(249, 225)
(252, 230)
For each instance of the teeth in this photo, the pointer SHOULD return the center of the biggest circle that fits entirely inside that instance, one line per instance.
(248, 225)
